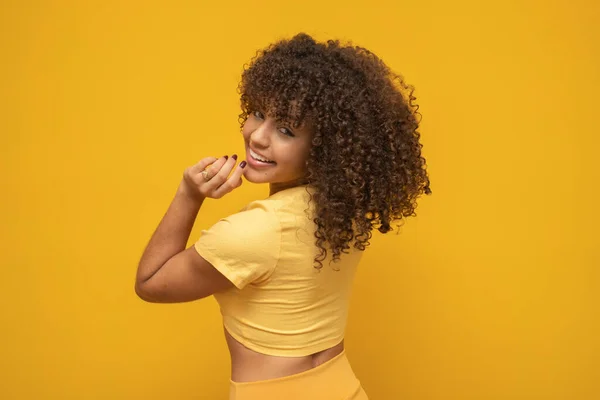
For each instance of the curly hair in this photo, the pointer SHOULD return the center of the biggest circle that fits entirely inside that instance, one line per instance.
(365, 161)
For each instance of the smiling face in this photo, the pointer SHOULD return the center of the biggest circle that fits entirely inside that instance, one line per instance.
(285, 146)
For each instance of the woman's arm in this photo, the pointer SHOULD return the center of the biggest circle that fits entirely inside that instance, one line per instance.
(167, 272)
(171, 235)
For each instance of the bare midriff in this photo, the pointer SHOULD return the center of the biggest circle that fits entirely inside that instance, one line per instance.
(250, 366)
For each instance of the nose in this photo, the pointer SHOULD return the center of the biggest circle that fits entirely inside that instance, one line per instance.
(260, 136)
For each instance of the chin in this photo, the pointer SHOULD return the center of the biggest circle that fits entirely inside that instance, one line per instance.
(254, 177)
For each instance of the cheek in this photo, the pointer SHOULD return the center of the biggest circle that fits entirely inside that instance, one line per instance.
(303, 155)
(246, 132)
(248, 127)
(296, 158)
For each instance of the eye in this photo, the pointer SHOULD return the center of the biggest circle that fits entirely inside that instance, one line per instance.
(286, 132)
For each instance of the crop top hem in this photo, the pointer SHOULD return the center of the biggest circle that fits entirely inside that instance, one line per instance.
(269, 351)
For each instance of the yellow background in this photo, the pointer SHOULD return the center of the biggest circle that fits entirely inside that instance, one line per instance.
(490, 293)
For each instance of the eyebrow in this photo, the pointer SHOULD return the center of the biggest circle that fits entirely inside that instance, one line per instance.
(257, 105)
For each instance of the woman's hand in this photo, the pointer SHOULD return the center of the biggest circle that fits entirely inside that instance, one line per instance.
(215, 185)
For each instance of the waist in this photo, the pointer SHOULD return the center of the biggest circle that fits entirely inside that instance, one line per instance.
(244, 362)
(332, 379)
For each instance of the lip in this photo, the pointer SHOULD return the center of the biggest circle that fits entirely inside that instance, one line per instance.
(262, 155)
(256, 164)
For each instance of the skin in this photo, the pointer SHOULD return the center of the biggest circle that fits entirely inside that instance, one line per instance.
(170, 273)
(287, 146)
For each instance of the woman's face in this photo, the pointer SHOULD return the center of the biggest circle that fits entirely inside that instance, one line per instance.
(287, 148)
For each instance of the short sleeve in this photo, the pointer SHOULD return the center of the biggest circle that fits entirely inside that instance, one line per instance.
(244, 247)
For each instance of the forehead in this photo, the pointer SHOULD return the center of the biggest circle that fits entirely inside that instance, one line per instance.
(288, 113)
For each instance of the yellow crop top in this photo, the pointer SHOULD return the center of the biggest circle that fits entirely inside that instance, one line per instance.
(281, 305)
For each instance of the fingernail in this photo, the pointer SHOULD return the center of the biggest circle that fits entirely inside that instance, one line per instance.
(234, 156)
(226, 157)
(242, 164)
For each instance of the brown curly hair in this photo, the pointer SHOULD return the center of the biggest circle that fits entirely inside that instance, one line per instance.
(365, 161)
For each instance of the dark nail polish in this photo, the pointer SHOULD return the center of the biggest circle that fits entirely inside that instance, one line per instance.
(234, 156)
(242, 164)
(226, 157)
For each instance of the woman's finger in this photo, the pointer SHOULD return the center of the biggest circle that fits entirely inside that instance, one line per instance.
(202, 164)
(234, 181)
(236, 177)
(218, 172)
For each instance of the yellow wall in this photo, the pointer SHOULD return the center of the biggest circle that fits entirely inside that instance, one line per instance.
(491, 293)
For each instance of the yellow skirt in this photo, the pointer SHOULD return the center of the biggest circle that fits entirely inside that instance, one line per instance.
(333, 380)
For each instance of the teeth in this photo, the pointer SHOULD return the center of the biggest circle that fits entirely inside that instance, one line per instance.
(256, 156)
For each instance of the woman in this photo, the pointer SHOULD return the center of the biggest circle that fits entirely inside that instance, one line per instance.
(329, 128)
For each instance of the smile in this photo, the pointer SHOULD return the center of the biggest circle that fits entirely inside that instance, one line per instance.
(260, 158)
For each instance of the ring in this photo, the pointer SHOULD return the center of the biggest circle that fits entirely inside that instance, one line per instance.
(205, 174)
